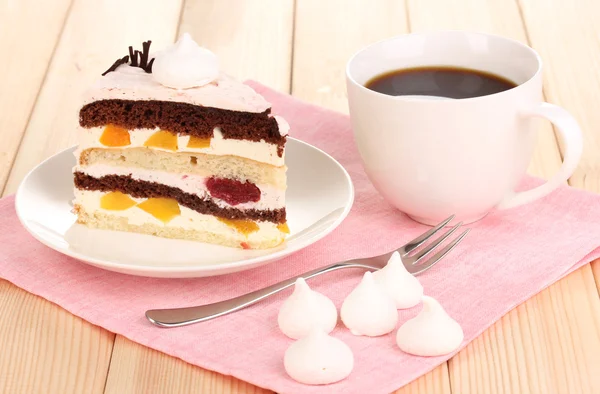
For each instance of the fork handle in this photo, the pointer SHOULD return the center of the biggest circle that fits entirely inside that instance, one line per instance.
(178, 317)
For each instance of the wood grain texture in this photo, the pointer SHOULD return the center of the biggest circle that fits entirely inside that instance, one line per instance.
(95, 34)
(436, 381)
(58, 352)
(45, 349)
(29, 31)
(547, 345)
(536, 348)
(253, 39)
(494, 17)
(138, 369)
(327, 34)
(571, 53)
(550, 344)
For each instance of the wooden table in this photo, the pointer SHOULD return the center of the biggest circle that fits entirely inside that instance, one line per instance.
(52, 50)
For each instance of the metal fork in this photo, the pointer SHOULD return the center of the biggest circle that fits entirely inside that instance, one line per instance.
(413, 262)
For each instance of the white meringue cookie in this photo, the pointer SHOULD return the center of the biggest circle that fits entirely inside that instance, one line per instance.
(306, 310)
(398, 283)
(318, 359)
(431, 333)
(368, 310)
(185, 65)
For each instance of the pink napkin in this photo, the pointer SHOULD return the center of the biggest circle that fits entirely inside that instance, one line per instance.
(507, 258)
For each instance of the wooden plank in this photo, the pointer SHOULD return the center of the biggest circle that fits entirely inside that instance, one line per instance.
(95, 34)
(138, 369)
(58, 352)
(570, 307)
(539, 347)
(327, 34)
(45, 349)
(26, 53)
(436, 381)
(252, 39)
(566, 35)
(568, 49)
(253, 42)
(162, 373)
(547, 345)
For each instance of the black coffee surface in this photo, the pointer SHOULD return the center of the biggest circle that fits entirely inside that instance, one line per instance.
(451, 82)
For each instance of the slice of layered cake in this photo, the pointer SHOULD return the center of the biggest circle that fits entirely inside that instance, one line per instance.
(171, 147)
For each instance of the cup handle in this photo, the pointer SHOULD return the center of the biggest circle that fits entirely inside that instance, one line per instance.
(571, 134)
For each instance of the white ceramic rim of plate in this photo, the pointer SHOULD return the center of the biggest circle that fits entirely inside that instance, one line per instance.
(209, 269)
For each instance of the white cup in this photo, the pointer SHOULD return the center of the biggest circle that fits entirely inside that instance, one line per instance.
(433, 158)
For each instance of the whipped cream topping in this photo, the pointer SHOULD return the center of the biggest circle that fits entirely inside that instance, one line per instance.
(367, 310)
(318, 359)
(185, 65)
(133, 83)
(306, 310)
(431, 333)
(398, 283)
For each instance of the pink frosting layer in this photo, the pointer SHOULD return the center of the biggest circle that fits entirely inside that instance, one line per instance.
(132, 83)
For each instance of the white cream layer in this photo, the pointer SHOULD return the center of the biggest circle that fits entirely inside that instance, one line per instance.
(188, 219)
(258, 151)
(133, 83)
(270, 197)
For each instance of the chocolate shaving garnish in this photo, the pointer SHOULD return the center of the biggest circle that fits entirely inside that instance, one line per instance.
(149, 66)
(145, 54)
(133, 56)
(116, 64)
(138, 59)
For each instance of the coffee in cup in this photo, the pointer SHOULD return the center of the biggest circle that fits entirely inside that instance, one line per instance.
(431, 154)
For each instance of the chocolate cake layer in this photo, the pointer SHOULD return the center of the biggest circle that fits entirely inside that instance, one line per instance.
(143, 189)
(182, 118)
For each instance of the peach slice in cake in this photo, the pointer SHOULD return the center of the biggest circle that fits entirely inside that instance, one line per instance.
(204, 162)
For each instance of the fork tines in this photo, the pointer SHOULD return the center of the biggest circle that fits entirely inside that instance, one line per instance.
(416, 250)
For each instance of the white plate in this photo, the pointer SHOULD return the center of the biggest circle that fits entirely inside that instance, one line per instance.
(318, 198)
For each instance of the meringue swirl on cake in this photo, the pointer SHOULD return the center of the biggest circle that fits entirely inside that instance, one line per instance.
(185, 65)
